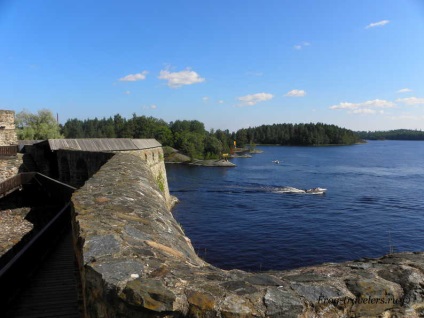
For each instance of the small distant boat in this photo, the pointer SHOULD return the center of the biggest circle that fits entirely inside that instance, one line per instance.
(316, 191)
(276, 161)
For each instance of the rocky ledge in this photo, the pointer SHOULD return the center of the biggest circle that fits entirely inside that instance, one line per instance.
(213, 163)
(136, 261)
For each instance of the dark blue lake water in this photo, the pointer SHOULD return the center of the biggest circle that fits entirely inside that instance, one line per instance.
(236, 218)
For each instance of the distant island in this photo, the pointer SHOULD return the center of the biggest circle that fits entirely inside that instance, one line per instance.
(398, 134)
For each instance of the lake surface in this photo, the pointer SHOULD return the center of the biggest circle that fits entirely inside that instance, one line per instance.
(236, 218)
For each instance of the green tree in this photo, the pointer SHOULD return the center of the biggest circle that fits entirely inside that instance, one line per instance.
(38, 126)
(213, 147)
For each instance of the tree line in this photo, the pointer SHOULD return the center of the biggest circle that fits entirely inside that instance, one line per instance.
(188, 136)
(299, 134)
(398, 134)
(191, 137)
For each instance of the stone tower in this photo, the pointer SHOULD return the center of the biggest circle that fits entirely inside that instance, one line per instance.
(7, 128)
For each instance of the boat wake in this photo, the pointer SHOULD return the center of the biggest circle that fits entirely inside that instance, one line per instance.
(253, 188)
(301, 191)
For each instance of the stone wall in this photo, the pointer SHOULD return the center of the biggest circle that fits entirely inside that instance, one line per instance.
(136, 261)
(154, 158)
(9, 166)
(76, 167)
(7, 128)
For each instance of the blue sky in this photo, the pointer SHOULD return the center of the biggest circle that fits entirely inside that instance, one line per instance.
(358, 64)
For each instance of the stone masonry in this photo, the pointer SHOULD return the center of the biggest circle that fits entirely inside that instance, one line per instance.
(136, 261)
(7, 128)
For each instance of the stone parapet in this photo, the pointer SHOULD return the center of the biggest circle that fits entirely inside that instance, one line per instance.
(10, 166)
(136, 261)
(154, 158)
(7, 128)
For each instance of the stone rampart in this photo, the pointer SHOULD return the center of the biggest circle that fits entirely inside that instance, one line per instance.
(10, 166)
(74, 167)
(7, 128)
(154, 158)
(136, 261)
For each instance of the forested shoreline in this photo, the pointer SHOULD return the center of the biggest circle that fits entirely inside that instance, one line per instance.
(188, 136)
(191, 137)
(398, 134)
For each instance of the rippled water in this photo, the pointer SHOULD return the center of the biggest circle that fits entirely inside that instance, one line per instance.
(236, 217)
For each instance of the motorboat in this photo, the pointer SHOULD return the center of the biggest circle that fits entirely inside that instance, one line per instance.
(316, 191)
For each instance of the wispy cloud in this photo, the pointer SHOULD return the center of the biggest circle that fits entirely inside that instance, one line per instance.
(296, 93)
(253, 99)
(205, 98)
(411, 101)
(152, 106)
(127, 92)
(301, 45)
(178, 79)
(404, 90)
(134, 77)
(376, 106)
(377, 24)
(220, 101)
(366, 111)
(365, 107)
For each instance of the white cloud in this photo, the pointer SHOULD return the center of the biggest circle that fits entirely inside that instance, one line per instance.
(301, 45)
(411, 101)
(363, 111)
(134, 77)
(377, 24)
(127, 92)
(296, 93)
(178, 79)
(404, 90)
(377, 103)
(153, 106)
(221, 102)
(366, 111)
(250, 100)
(205, 98)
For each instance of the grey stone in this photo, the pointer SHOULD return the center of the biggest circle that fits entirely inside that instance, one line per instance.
(136, 233)
(312, 291)
(150, 293)
(118, 271)
(264, 280)
(239, 287)
(282, 303)
(101, 245)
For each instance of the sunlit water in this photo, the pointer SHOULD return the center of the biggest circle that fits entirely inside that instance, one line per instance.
(238, 218)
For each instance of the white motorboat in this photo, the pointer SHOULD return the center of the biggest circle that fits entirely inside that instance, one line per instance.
(316, 191)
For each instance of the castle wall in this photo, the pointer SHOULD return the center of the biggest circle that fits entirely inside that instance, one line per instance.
(9, 165)
(7, 128)
(154, 159)
(136, 261)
